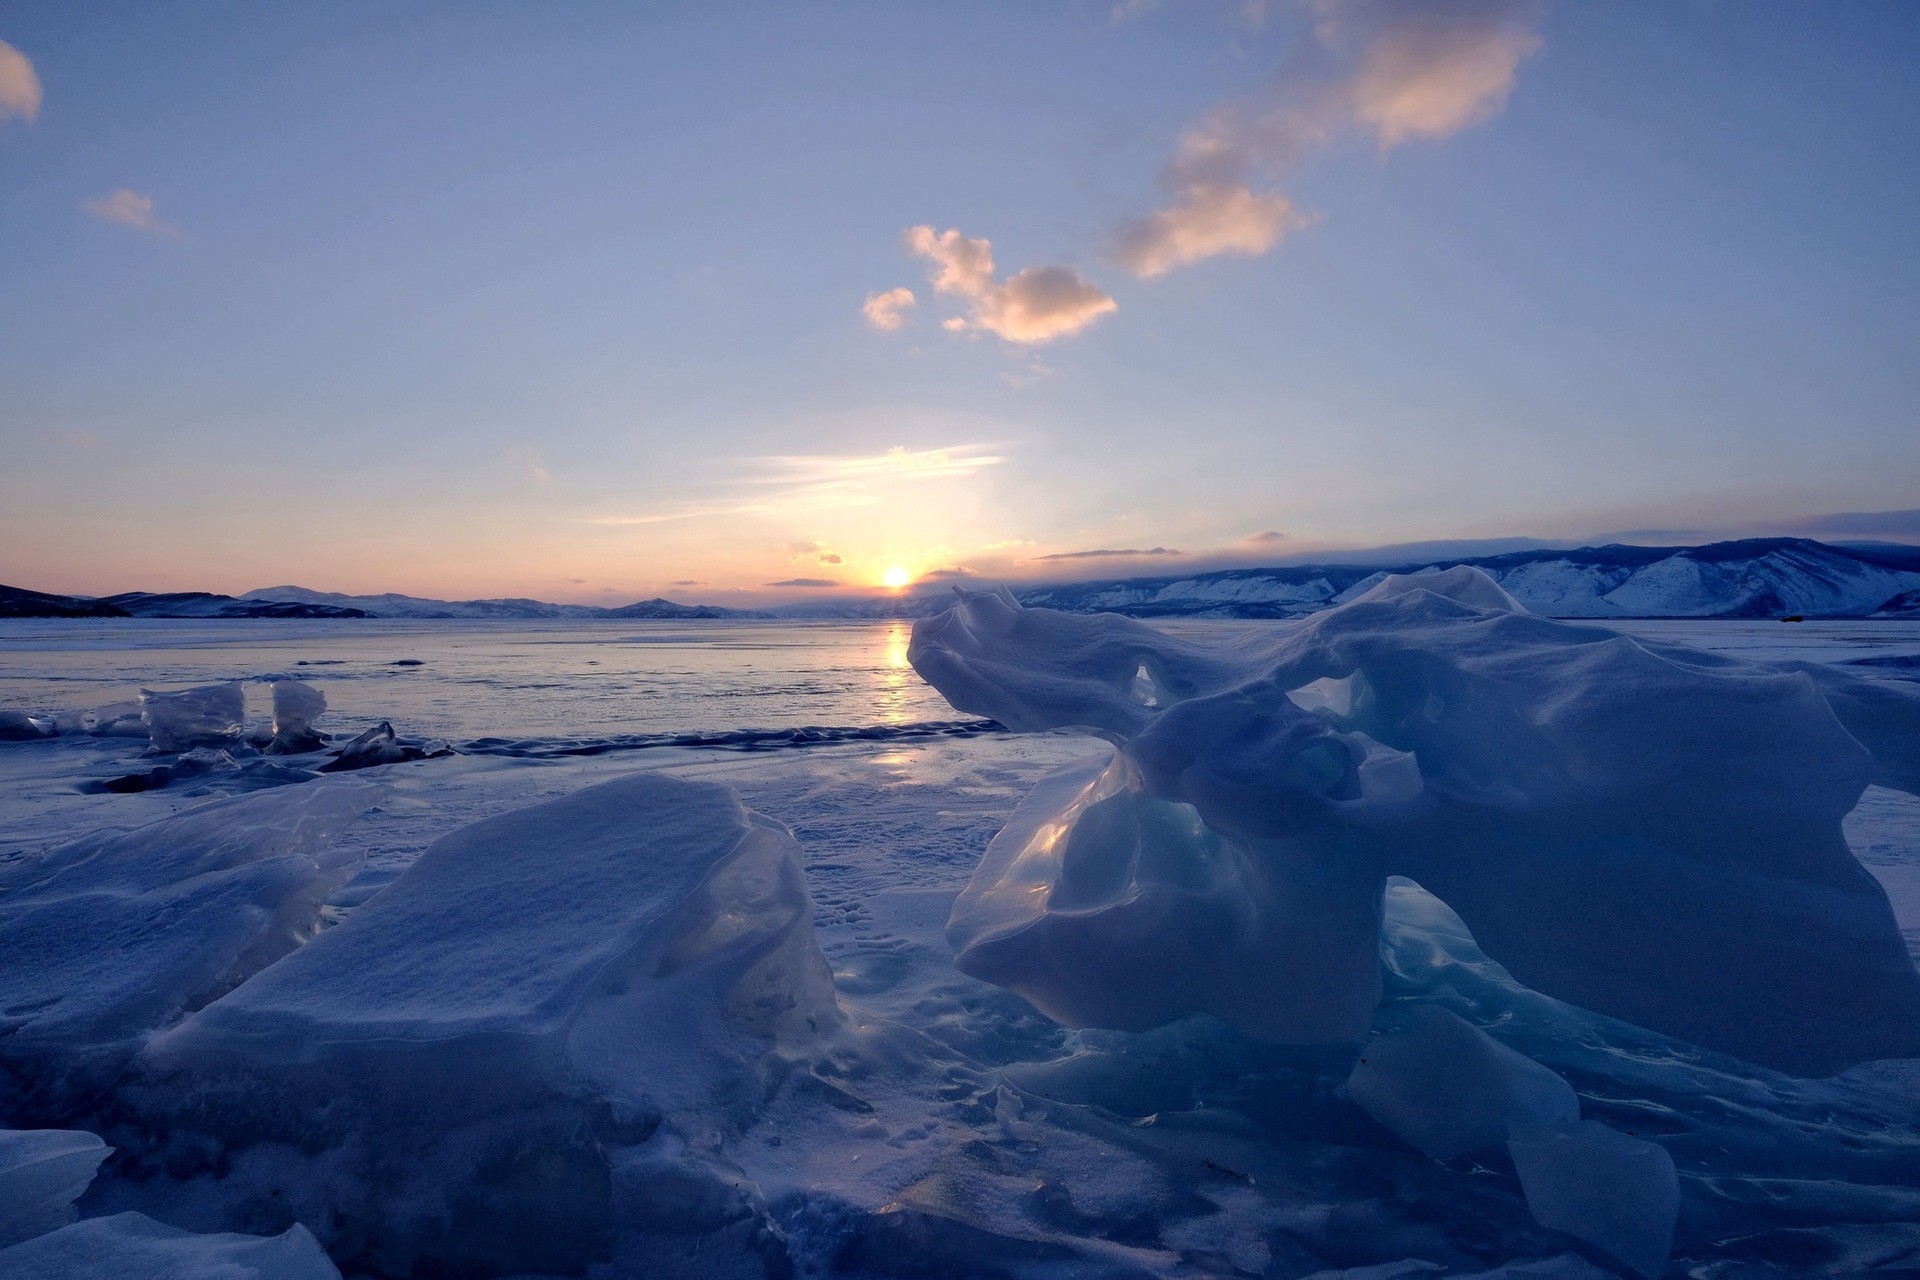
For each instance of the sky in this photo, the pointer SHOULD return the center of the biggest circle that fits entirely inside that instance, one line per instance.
(748, 303)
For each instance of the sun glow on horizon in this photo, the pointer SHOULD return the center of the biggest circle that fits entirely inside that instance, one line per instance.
(896, 577)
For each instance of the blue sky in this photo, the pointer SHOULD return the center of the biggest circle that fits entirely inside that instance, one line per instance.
(572, 301)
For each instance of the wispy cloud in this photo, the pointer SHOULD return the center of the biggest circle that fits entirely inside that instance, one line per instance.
(1399, 71)
(128, 208)
(795, 484)
(804, 582)
(886, 311)
(1034, 305)
(811, 552)
(1109, 554)
(1127, 10)
(19, 85)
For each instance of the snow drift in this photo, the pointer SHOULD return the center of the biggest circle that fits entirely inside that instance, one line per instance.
(1645, 830)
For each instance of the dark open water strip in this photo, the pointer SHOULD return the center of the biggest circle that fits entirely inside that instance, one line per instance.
(731, 739)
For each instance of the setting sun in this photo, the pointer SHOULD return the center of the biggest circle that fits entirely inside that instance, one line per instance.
(896, 577)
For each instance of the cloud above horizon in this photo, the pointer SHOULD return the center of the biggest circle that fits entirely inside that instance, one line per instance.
(1109, 554)
(1399, 71)
(886, 311)
(19, 85)
(127, 208)
(805, 582)
(790, 484)
(1034, 305)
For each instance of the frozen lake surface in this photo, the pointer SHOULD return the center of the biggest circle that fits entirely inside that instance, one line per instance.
(995, 1142)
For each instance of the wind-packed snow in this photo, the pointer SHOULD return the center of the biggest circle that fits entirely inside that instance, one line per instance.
(130, 1246)
(42, 1172)
(116, 934)
(1650, 832)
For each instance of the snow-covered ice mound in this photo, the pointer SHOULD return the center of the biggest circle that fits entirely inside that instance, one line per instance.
(42, 1172)
(130, 1246)
(118, 934)
(536, 991)
(1644, 830)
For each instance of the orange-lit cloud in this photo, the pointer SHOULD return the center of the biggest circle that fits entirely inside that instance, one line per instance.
(1398, 70)
(128, 208)
(19, 86)
(1206, 222)
(1433, 75)
(1034, 305)
(884, 311)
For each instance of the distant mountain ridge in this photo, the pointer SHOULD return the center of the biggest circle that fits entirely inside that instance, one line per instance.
(1749, 578)
(392, 605)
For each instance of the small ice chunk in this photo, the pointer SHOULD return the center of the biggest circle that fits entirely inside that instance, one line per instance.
(296, 705)
(116, 720)
(1447, 1088)
(1617, 1193)
(120, 932)
(1387, 776)
(132, 1246)
(1335, 697)
(204, 716)
(42, 1172)
(381, 745)
(18, 726)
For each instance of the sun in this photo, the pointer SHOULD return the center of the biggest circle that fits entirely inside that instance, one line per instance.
(896, 577)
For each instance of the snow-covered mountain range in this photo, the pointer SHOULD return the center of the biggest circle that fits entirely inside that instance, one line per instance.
(1751, 578)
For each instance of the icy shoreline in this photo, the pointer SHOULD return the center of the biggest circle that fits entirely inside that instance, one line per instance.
(949, 1129)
